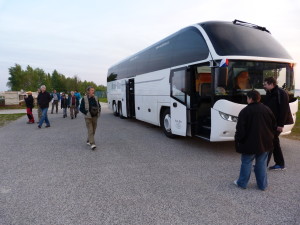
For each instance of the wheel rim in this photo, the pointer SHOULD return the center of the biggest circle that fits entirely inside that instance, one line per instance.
(167, 123)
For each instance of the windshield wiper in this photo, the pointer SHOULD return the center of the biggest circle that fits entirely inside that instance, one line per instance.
(246, 24)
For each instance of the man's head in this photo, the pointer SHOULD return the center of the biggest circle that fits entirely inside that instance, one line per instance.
(54, 91)
(90, 91)
(253, 96)
(43, 88)
(269, 83)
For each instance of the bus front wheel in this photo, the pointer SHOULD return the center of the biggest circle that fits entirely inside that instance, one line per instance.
(165, 123)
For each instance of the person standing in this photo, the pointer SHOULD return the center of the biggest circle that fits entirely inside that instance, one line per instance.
(91, 108)
(56, 97)
(29, 105)
(254, 140)
(278, 101)
(64, 104)
(73, 104)
(43, 100)
(38, 106)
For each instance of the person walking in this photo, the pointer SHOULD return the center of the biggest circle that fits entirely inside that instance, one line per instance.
(56, 97)
(254, 140)
(78, 96)
(278, 101)
(73, 104)
(29, 105)
(91, 108)
(39, 110)
(43, 100)
(64, 104)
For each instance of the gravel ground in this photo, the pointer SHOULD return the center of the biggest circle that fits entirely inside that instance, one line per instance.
(136, 176)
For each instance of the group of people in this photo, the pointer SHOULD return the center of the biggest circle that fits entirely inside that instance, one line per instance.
(89, 106)
(257, 133)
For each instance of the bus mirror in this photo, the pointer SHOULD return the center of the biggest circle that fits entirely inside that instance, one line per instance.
(221, 76)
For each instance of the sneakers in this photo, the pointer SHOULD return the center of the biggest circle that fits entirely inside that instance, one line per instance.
(277, 167)
(47, 126)
(236, 184)
(93, 146)
(88, 143)
(39, 126)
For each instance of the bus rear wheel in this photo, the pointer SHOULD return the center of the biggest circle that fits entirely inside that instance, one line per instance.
(115, 109)
(120, 110)
(165, 123)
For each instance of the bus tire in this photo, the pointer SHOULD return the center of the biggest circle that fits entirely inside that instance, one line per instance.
(115, 109)
(120, 111)
(165, 123)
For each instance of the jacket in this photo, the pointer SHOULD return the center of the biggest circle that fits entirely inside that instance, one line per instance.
(93, 101)
(58, 96)
(70, 102)
(278, 101)
(64, 103)
(29, 101)
(44, 99)
(255, 129)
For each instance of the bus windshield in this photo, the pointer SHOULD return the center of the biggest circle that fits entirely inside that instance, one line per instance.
(247, 75)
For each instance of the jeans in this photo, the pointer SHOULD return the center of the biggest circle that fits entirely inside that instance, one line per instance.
(64, 111)
(277, 152)
(260, 170)
(44, 117)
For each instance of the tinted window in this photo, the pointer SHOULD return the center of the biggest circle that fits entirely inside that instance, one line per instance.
(190, 46)
(160, 55)
(231, 39)
(142, 63)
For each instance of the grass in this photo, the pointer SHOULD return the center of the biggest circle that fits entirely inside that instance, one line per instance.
(6, 118)
(103, 100)
(12, 107)
(295, 135)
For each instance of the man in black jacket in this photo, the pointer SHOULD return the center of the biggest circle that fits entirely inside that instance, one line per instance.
(278, 101)
(91, 108)
(29, 105)
(254, 140)
(43, 100)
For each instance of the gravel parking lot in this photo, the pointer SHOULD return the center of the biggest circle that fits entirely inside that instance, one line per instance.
(136, 176)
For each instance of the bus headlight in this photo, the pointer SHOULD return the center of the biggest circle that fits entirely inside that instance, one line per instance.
(228, 117)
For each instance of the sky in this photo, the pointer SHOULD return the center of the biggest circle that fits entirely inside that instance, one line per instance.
(86, 37)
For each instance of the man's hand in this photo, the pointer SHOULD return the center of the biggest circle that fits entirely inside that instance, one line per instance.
(280, 129)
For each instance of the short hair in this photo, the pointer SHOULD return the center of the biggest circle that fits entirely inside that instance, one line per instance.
(254, 95)
(43, 86)
(89, 87)
(270, 80)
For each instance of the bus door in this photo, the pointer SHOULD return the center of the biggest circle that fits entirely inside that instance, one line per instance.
(122, 105)
(179, 101)
(130, 98)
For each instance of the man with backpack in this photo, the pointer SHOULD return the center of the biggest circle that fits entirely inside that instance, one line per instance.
(91, 108)
(278, 101)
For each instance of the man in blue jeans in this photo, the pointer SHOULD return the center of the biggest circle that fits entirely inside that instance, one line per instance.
(254, 135)
(43, 100)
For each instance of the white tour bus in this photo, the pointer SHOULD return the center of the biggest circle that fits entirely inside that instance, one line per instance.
(194, 82)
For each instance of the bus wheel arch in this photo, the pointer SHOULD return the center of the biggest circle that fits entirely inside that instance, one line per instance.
(165, 121)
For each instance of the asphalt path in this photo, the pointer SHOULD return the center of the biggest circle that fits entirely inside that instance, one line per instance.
(135, 176)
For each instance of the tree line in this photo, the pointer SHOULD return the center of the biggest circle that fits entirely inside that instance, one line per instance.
(30, 79)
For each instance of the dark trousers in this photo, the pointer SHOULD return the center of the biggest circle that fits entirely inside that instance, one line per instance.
(55, 103)
(277, 153)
